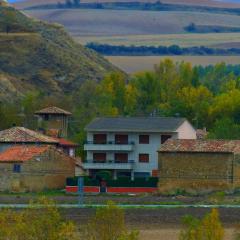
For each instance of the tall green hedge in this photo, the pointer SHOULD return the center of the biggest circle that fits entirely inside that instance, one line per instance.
(138, 182)
(120, 182)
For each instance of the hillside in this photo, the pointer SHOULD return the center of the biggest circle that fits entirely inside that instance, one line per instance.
(210, 3)
(36, 55)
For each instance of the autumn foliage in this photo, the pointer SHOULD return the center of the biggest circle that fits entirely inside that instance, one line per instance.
(208, 228)
(40, 221)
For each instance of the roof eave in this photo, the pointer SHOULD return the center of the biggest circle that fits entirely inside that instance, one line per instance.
(131, 130)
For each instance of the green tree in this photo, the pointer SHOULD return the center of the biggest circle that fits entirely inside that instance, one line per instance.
(225, 128)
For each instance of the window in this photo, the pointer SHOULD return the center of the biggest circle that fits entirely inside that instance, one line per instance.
(99, 138)
(121, 139)
(46, 117)
(17, 168)
(99, 157)
(144, 139)
(143, 158)
(121, 157)
(164, 138)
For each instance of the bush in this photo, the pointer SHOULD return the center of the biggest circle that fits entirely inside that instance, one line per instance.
(209, 227)
(109, 224)
(36, 224)
(120, 182)
(73, 181)
(137, 182)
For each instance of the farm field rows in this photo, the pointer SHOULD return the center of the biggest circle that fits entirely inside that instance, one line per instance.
(183, 40)
(212, 3)
(132, 64)
(100, 22)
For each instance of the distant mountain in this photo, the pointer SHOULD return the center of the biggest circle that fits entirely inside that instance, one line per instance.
(212, 3)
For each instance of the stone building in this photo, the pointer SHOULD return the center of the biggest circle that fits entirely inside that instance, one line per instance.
(199, 164)
(53, 121)
(21, 135)
(34, 168)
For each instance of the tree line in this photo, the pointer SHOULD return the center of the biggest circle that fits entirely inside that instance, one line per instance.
(207, 96)
(114, 50)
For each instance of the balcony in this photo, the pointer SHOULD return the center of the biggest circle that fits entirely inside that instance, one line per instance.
(108, 165)
(109, 146)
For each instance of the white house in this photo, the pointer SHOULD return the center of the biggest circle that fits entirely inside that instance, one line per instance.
(128, 146)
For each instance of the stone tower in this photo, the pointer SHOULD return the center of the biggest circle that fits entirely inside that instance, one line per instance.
(53, 121)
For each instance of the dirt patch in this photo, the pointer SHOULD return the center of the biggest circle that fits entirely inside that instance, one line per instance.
(173, 233)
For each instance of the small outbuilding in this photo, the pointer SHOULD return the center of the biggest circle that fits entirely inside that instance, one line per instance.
(199, 164)
(34, 168)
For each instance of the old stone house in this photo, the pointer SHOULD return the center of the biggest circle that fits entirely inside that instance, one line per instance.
(34, 168)
(199, 164)
(21, 135)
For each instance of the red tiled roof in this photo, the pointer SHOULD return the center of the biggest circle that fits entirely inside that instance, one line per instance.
(21, 153)
(65, 142)
(24, 135)
(182, 145)
(53, 110)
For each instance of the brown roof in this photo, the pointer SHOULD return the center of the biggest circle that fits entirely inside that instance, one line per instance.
(21, 153)
(24, 135)
(181, 145)
(53, 110)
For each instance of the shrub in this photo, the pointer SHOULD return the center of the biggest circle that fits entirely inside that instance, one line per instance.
(209, 227)
(36, 223)
(109, 224)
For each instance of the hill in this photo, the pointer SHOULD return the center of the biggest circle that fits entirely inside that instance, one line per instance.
(209, 3)
(35, 55)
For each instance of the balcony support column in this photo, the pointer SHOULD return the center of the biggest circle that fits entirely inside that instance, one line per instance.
(115, 174)
(132, 175)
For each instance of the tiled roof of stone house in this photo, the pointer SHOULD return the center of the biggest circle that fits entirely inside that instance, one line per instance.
(53, 110)
(184, 145)
(24, 135)
(20, 153)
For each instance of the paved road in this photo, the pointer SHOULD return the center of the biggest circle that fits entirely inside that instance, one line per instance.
(128, 206)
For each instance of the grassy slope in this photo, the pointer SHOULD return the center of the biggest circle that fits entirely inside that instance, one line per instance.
(44, 57)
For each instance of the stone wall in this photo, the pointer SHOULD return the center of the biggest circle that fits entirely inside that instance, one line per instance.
(49, 171)
(208, 171)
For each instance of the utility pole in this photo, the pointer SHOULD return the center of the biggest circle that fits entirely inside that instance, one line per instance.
(80, 190)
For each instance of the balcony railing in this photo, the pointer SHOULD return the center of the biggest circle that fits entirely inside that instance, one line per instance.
(108, 164)
(108, 161)
(110, 143)
(108, 146)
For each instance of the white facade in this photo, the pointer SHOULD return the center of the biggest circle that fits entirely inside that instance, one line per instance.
(133, 166)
